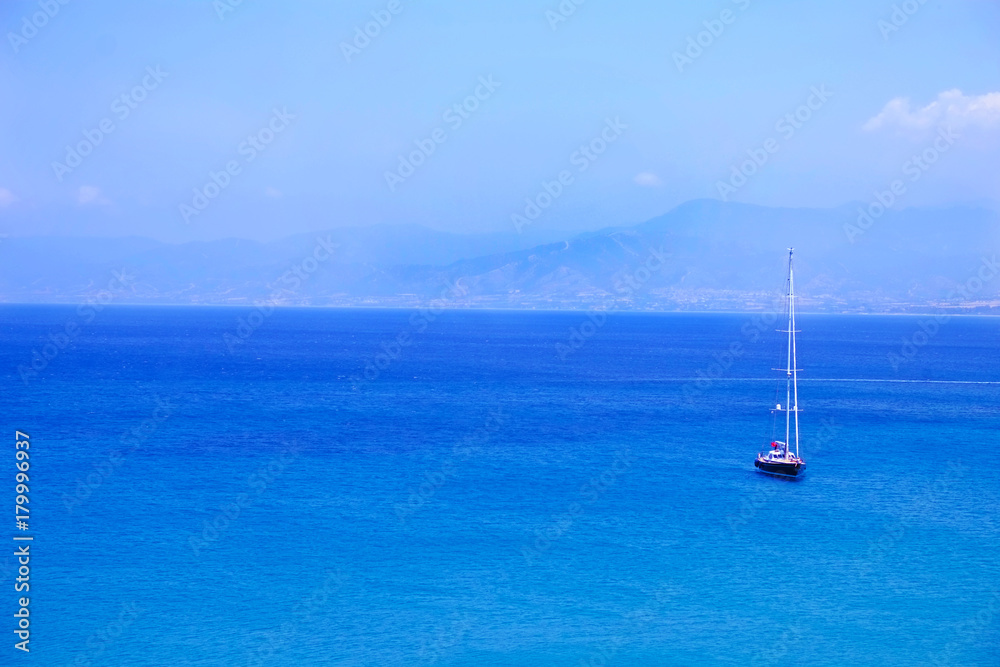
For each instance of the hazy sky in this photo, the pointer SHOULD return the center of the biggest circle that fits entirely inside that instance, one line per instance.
(208, 85)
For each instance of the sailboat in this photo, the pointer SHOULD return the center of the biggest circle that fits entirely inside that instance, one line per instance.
(780, 460)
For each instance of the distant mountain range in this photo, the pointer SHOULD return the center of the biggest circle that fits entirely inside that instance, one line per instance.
(703, 255)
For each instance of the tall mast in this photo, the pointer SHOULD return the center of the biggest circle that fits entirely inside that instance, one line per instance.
(794, 364)
(791, 326)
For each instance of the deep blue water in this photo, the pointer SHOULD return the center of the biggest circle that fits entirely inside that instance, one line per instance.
(480, 501)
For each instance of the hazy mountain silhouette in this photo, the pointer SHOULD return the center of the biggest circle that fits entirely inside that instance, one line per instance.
(721, 256)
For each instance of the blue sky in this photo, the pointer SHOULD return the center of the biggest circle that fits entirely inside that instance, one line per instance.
(222, 76)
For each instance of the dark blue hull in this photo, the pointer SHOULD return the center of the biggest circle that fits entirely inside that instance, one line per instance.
(785, 469)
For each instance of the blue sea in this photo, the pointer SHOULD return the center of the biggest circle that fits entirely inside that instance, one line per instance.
(222, 486)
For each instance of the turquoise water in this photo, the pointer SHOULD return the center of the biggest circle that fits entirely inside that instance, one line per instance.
(277, 493)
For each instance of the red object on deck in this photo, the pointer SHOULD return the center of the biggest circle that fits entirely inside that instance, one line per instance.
(774, 444)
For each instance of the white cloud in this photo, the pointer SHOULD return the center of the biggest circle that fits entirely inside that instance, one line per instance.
(648, 180)
(273, 192)
(6, 197)
(88, 194)
(950, 108)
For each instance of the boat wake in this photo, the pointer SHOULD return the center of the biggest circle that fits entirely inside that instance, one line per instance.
(724, 379)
